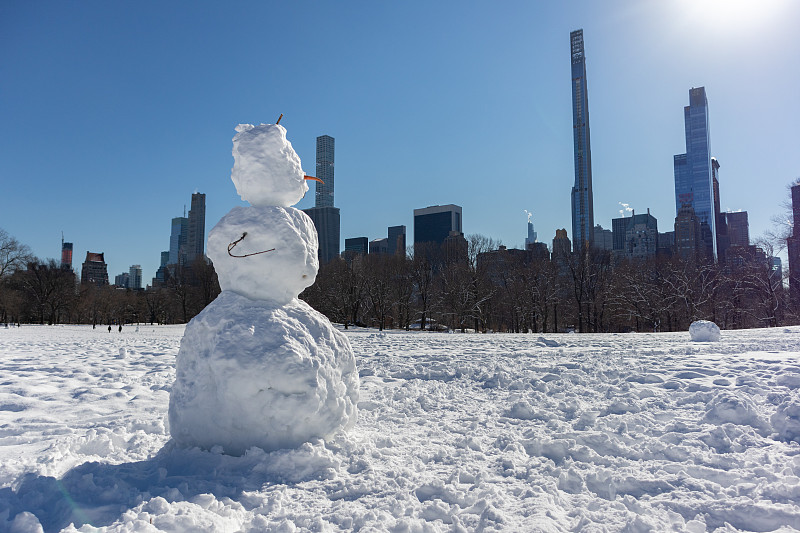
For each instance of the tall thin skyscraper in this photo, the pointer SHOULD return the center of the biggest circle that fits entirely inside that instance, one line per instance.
(582, 201)
(793, 247)
(694, 185)
(325, 216)
(195, 243)
(325, 154)
(532, 235)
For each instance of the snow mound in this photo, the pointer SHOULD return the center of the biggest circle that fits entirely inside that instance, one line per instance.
(704, 331)
(727, 407)
(786, 420)
(279, 275)
(266, 170)
(252, 373)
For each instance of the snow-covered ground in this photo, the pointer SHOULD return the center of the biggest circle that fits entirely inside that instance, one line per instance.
(628, 432)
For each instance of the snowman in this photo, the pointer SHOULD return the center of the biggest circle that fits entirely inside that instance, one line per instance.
(259, 367)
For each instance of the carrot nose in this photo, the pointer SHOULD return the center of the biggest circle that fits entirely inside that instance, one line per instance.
(313, 178)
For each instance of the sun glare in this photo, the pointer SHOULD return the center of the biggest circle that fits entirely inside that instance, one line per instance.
(730, 15)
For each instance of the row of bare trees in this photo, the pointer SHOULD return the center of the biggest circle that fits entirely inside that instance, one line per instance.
(517, 292)
(41, 292)
(482, 288)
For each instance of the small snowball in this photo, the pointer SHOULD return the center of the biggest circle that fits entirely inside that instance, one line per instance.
(704, 331)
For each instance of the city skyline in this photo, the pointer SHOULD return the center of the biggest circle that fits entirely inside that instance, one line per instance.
(102, 126)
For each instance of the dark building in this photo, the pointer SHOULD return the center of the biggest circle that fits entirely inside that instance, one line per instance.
(603, 238)
(195, 242)
(94, 270)
(66, 255)
(539, 250)
(666, 243)
(379, 246)
(687, 234)
(793, 245)
(562, 247)
(635, 236)
(497, 263)
(582, 201)
(738, 229)
(397, 240)
(355, 246)
(327, 222)
(435, 223)
(162, 272)
(723, 242)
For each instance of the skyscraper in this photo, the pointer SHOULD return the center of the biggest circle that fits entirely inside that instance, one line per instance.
(355, 246)
(66, 255)
(793, 247)
(582, 201)
(397, 240)
(379, 246)
(532, 236)
(435, 223)
(738, 229)
(195, 242)
(325, 154)
(177, 240)
(325, 216)
(135, 277)
(720, 220)
(693, 173)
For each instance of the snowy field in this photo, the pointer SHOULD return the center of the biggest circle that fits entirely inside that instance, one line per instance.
(628, 432)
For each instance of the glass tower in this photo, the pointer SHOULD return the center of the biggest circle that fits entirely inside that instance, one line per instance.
(582, 202)
(693, 173)
(324, 191)
(195, 242)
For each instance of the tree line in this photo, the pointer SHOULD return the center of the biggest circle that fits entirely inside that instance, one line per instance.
(36, 291)
(490, 289)
(481, 287)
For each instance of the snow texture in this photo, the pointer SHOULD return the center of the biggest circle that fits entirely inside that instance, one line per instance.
(266, 170)
(704, 331)
(279, 275)
(256, 374)
(455, 433)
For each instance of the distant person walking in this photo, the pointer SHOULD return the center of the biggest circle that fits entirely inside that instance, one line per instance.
(109, 328)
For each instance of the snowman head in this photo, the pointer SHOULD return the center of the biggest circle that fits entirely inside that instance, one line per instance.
(266, 170)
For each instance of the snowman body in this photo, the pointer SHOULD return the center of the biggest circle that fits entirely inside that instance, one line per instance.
(259, 367)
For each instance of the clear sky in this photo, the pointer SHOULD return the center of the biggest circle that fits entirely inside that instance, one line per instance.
(113, 113)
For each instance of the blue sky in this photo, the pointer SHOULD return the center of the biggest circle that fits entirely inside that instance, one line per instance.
(113, 113)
